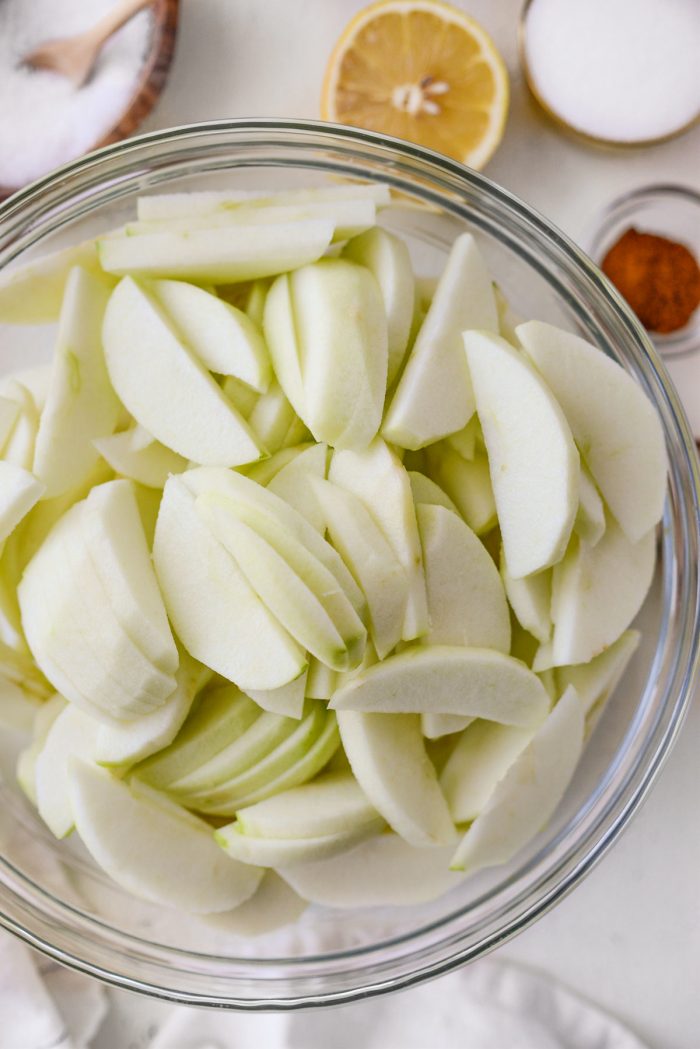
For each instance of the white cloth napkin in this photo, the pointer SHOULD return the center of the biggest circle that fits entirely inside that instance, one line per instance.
(488, 1005)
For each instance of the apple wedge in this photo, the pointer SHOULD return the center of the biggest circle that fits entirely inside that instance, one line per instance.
(223, 338)
(19, 492)
(42, 721)
(597, 591)
(483, 754)
(33, 294)
(154, 849)
(218, 255)
(150, 465)
(435, 726)
(467, 483)
(72, 735)
(124, 745)
(464, 441)
(116, 542)
(597, 680)
(213, 609)
(388, 260)
(287, 700)
(384, 871)
(9, 410)
(210, 202)
(529, 792)
(367, 553)
(466, 601)
(476, 682)
(530, 599)
(264, 471)
(388, 759)
(165, 387)
(434, 396)
(321, 681)
(271, 417)
(270, 852)
(333, 803)
(533, 461)
(81, 404)
(590, 517)
(333, 373)
(325, 623)
(20, 446)
(294, 483)
(428, 492)
(377, 477)
(614, 423)
(273, 906)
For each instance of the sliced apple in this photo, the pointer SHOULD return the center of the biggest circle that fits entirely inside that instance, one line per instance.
(388, 260)
(388, 758)
(476, 682)
(590, 517)
(268, 852)
(467, 483)
(367, 553)
(207, 202)
(530, 598)
(223, 338)
(116, 541)
(19, 492)
(214, 610)
(20, 445)
(464, 441)
(264, 471)
(218, 718)
(294, 483)
(530, 791)
(271, 417)
(596, 680)
(532, 457)
(151, 849)
(287, 700)
(466, 601)
(165, 387)
(34, 293)
(321, 681)
(434, 396)
(81, 404)
(597, 591)
(377, 477)
(218, 255)
(614, 423)
(332, 803)
(42, 721)
(428, 492)
(9, 410)
(73, 734)
(483, 754)
(123, 745)
(435, 726)
(384, 871)
(334, 374)
(273, 906)
(150, 465)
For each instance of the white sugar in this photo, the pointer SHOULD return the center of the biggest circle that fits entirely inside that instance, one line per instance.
(622, 70)
(44, 120)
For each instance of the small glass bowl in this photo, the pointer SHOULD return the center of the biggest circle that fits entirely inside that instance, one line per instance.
(51, 893)
(668, 211)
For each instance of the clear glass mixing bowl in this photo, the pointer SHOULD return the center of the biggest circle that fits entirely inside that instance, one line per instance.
(50, 892)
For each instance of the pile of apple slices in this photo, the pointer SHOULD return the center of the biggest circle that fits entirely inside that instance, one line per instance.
(315, 575)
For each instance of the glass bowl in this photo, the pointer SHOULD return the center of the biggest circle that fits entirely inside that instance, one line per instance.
(51, 894)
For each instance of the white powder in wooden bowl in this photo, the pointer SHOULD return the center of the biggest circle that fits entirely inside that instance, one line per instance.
(44, 120)
(619, 70)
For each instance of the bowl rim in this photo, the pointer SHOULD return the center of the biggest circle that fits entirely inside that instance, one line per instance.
(35, 208)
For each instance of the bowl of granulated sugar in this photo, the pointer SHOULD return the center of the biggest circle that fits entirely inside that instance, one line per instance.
(45, 120)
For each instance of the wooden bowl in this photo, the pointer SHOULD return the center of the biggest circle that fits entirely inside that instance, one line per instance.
(154, 74)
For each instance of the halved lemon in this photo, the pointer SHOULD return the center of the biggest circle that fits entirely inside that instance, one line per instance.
(420, 70)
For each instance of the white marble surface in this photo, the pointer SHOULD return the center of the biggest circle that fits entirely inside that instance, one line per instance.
(629, 936)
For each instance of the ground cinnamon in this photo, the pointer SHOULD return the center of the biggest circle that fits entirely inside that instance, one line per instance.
(659, 278)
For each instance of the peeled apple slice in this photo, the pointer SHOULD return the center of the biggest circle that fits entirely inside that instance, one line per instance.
(274, 905)
(218, 255)
(209, 202)
(614, 423)
(476, 682)
(294, 483)
(271, 417)
(215, 612)
(531, 600)
(20, 446)
(388, 759)
(434, 396)
(287, 700)
(597, 591)
(150, 465)
(33, 294)
(367, 553)
(483, 754)
(73, 734)
(42, 721)
(165, 387)
(435, 726)
(529, 793)
(467, 484)
(81, 404)
(597, 680)
(466, 601)
(377, 477)
(331, 804)
(223, 338)
(9, 410)
(387, 258)
(149, 849)
(268, 852)
(19, 492)
(427, 492)
(590, 517)
(384, 871)
(533, 461)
